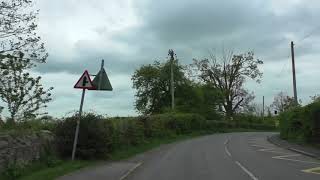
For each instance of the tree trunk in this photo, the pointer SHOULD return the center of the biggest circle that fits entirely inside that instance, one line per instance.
(229, 111)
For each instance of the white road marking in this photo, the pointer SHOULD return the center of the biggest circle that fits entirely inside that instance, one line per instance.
(312, 170)
(272, 151)
(267, 148)
(130, 171)
(295, 160)
(285, 156)
(227, 151)
(256, 145)
(226, 148)
(226, 142)
(246, 171)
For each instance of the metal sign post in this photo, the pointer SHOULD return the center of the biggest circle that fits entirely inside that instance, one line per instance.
(78, 126)
(101, 83)
(83, 83)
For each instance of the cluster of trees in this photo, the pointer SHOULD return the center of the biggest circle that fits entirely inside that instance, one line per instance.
(21, 50)
(153, 96)
(218, 87)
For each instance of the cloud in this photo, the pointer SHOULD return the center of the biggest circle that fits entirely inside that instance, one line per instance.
(127, 34)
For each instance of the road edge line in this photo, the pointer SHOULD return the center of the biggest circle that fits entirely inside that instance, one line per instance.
(130, 171)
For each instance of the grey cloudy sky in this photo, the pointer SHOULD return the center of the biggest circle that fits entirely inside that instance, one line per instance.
(129, 33)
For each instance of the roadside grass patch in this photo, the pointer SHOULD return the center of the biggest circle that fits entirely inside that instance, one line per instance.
(50, 173)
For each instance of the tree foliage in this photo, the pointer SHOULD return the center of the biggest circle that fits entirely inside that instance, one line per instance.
(153, 96)
(23, 94)
(228, 75)
(17, 30)
(152, 83)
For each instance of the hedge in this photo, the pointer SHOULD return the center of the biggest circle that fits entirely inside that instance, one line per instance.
(99, 137)
(299, 123)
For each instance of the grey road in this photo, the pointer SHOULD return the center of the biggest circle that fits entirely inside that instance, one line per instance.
(234, 156)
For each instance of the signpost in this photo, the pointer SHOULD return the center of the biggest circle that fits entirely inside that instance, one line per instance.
(83, 83)
(100, 82)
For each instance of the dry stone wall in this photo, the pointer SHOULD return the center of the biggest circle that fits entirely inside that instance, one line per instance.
(22, 148)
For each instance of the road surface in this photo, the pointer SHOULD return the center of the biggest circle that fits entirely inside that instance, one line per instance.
(231, 156)
(234, 156)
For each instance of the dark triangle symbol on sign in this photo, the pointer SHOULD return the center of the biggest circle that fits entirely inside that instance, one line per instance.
(101, 81)
(84, 82)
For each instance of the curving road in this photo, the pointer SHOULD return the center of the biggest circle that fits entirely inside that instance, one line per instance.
(233, 156)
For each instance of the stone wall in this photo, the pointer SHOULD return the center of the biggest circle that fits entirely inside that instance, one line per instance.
(22, 148)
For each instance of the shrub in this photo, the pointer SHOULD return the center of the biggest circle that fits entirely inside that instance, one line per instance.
(178, 123)
(254, 122)
(131, 132)
(299, 123)
(13, 170)
(95, 136)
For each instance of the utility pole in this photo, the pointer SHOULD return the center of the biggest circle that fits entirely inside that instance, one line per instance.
(262, 108)
(294, 74)
(171, 54)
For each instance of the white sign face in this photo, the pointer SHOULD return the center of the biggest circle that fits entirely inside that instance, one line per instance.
(84, 82)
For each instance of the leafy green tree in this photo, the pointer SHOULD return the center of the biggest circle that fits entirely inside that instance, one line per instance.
(228, 75)
(22, 93)
(18, 30)
(199, 98)
(152, 83)
(20, 49)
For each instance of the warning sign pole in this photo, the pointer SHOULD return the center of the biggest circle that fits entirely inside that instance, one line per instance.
(78, 126)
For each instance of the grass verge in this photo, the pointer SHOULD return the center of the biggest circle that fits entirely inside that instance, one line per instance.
(54, 172)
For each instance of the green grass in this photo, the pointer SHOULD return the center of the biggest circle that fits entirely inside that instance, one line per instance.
(39, 171)
(62, 168)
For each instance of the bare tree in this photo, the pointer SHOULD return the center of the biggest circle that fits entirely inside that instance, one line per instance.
(228, 75)
(315, 98)
(283, 102)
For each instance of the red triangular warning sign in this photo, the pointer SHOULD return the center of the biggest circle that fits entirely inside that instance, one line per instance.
(84, 82)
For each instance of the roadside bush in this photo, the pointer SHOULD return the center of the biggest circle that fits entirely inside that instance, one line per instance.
(31, 125)
(95, 136)
(217, 126)
(176, 123)
(247, 121)
(155, 126)
(13, 170)
(131, 132)
(299, 123)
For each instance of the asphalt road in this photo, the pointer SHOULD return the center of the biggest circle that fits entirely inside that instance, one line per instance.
(234, 156)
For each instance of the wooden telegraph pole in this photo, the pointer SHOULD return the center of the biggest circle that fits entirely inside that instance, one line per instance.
(294, 74)
(171, 54)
